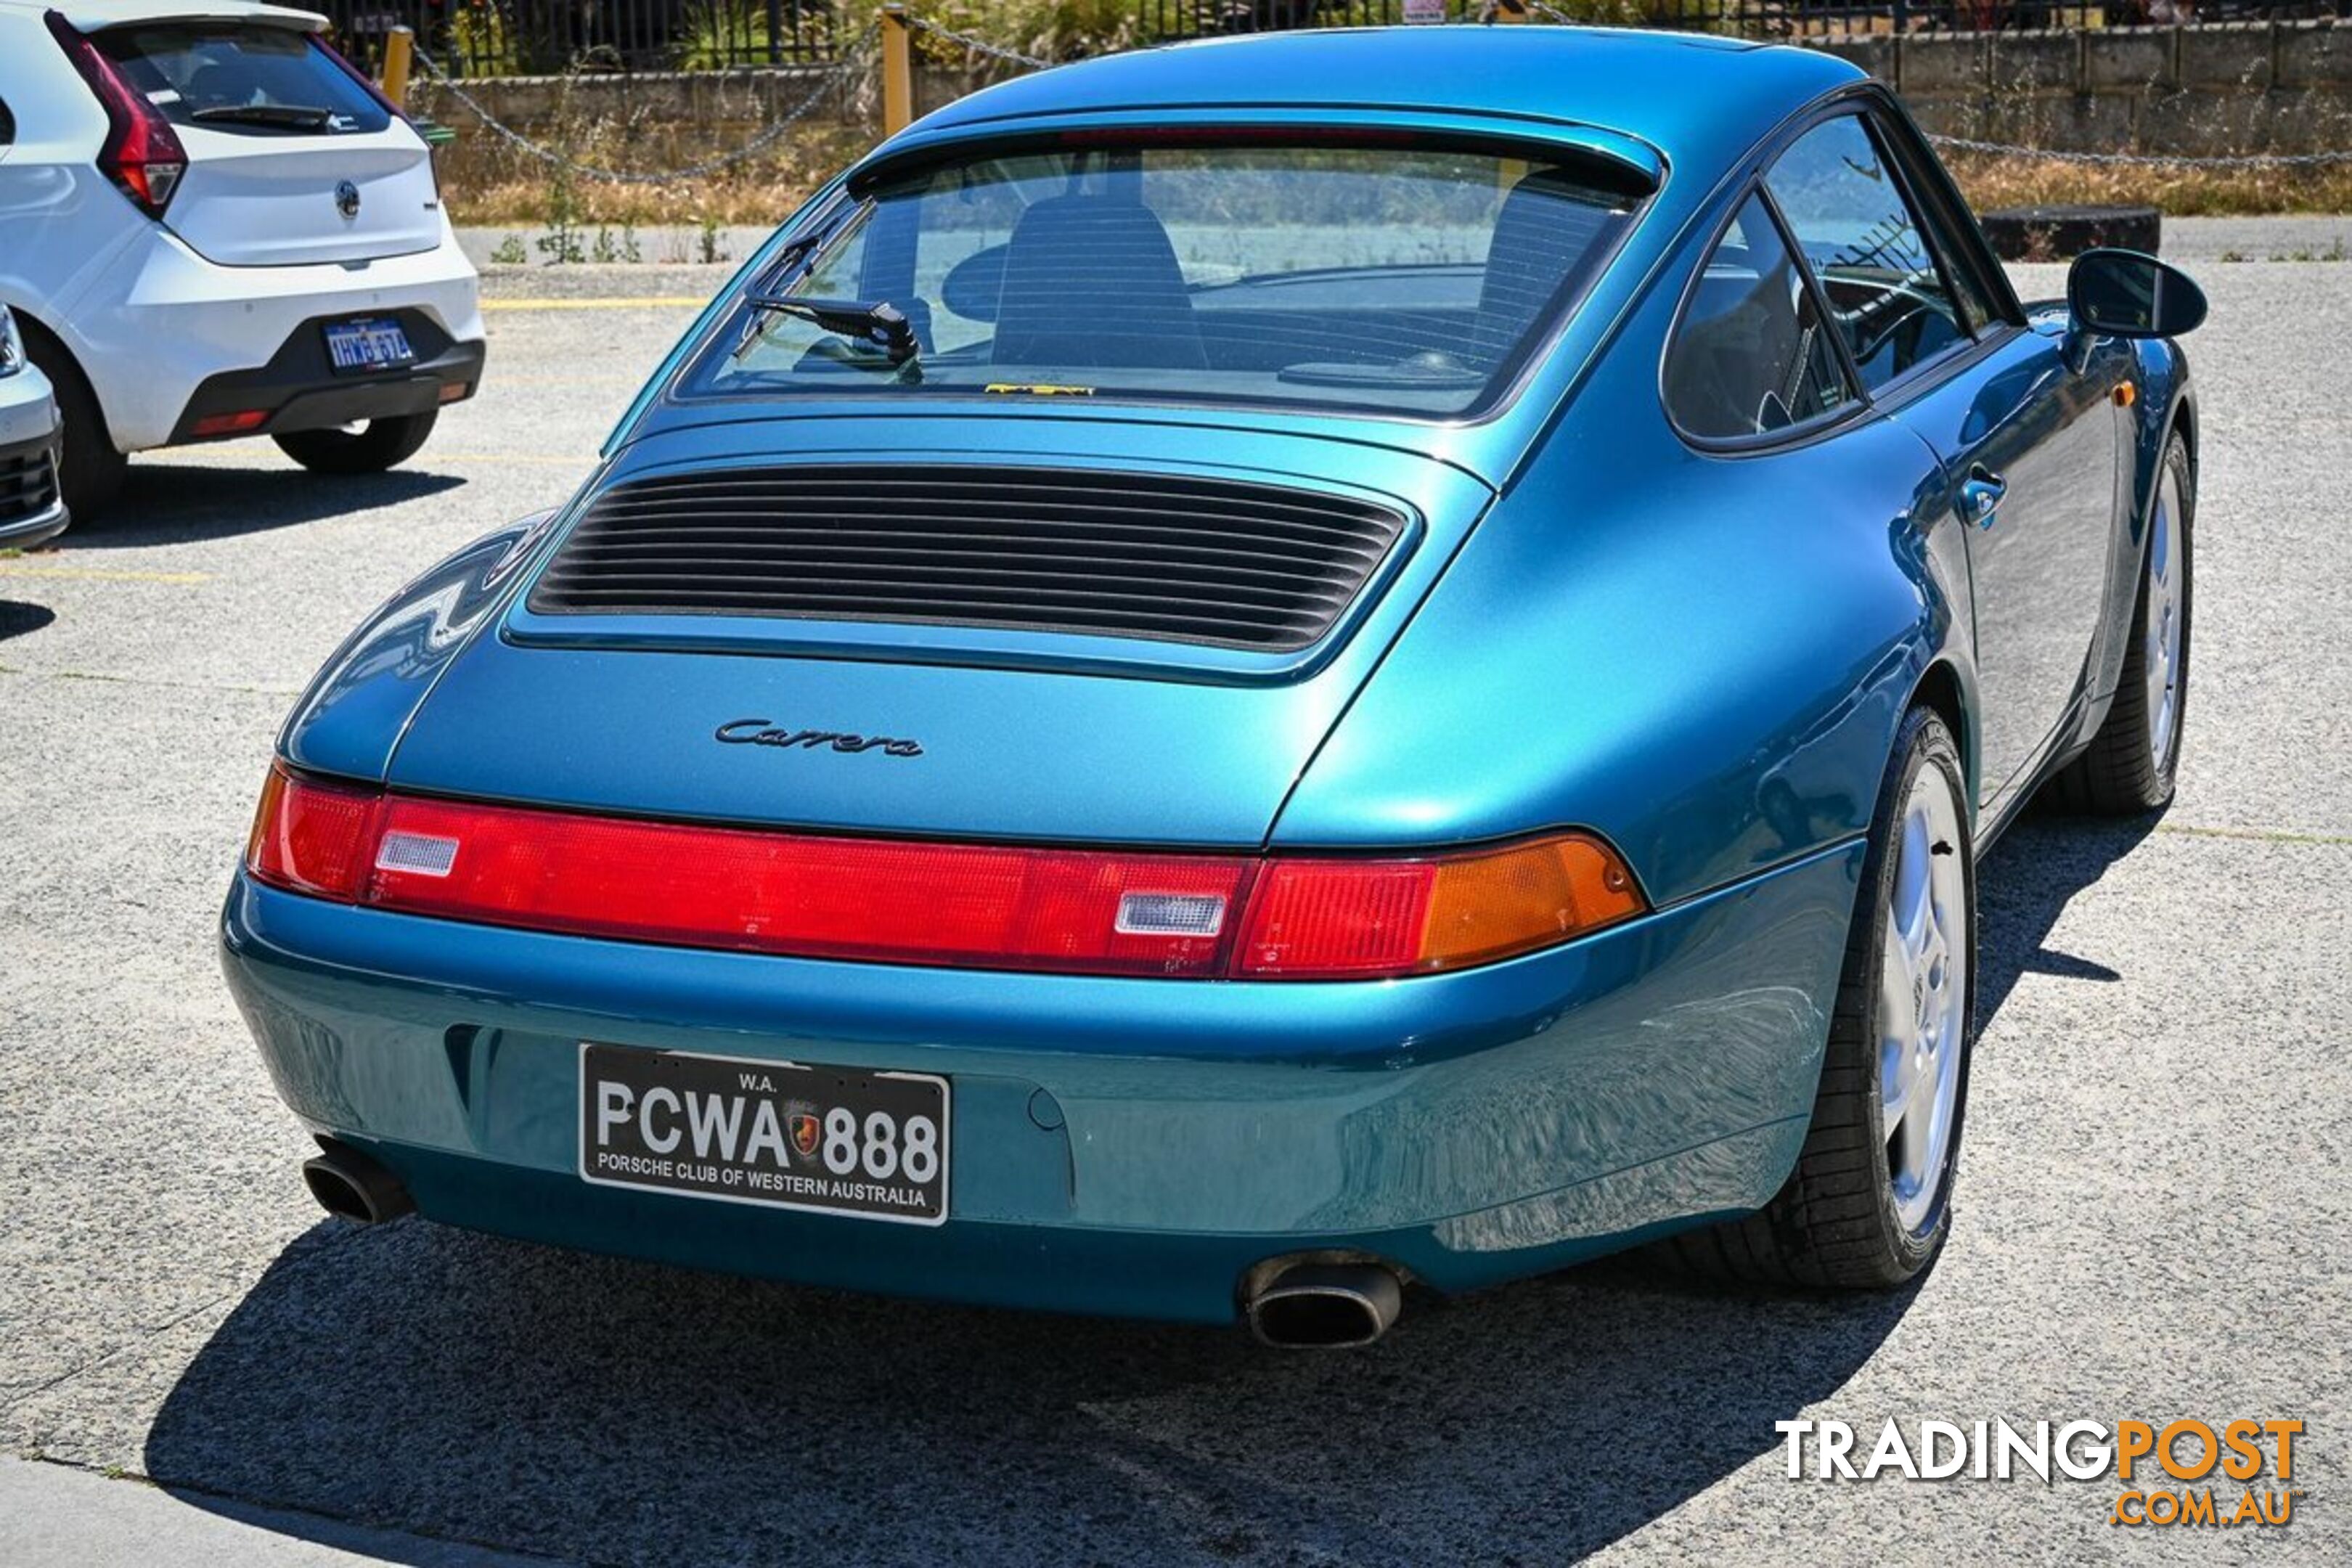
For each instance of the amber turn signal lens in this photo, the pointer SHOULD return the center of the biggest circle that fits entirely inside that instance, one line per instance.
(1334, 919)
(1490, 906)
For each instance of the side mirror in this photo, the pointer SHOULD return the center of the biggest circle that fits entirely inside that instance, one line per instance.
(2123, 294)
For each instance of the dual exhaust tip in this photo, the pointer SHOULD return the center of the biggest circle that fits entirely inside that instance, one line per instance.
(1309, 1302)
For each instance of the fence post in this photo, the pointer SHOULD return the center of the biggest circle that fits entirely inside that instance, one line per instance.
(398, 45)
(897, 70)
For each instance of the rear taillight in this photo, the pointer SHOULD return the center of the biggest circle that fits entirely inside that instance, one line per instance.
(1318, 919)
(311, 837)
(141, 153)
(977, 906)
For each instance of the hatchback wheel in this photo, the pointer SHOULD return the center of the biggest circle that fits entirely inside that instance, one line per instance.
(367, 449)
(1870, 1200)
(91, 473)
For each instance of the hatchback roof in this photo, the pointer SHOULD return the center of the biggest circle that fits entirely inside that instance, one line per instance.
(1689, 95)
(90, 16)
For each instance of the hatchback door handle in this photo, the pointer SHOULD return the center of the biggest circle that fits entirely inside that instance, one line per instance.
(1980, 495)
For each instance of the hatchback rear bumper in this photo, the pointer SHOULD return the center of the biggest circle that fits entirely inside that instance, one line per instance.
(158, 322)
(299, 388)
(1119, 1146)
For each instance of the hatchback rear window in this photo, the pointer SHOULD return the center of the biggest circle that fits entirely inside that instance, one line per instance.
(242, 79)
(1400, 279)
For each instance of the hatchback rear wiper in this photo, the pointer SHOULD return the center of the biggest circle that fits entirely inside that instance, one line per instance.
(878, 324)
(298, 116)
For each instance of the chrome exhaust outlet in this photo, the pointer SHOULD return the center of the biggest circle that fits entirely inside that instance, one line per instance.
(1312, 1305)
(350, 1185)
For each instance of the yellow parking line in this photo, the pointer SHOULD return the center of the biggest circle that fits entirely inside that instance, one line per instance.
(642, 302)
(99, 573)
(2258, 835)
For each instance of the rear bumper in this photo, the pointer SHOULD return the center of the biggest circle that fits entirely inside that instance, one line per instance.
(1121, 1146)
(299, 388)
(160, 322)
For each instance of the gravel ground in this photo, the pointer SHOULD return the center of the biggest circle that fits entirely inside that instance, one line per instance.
(2152, 1222)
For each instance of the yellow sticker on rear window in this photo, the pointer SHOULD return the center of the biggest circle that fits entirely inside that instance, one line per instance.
(1039, 389)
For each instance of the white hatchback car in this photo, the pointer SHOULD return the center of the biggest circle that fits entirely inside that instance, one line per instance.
(214, 226)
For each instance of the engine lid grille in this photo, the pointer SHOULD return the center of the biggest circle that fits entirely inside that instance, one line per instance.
(1217, 563)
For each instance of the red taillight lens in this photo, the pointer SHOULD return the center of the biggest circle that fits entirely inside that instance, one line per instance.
(795, 893)
(312, 837)
(1333, 920)
(141, 153)
(1073, 911)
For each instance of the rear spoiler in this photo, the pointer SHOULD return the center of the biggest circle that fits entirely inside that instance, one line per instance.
(99, 15)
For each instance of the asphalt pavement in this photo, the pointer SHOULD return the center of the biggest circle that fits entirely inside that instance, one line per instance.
(2152, 1216)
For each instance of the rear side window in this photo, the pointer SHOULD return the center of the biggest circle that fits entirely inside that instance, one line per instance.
(1751, 355)
(242, 79)
(1850, 217)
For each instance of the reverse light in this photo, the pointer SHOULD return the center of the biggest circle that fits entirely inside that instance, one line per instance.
(976, 906)
(141, 153)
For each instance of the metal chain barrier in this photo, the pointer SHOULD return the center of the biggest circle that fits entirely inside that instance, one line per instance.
(977, 45)
(853, 64)
(2152, 159)
(850, 67)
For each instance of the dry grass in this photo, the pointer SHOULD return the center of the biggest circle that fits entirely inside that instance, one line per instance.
(494, 186)
(1999, 182)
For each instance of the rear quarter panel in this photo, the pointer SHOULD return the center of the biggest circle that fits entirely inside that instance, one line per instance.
(1704, 657)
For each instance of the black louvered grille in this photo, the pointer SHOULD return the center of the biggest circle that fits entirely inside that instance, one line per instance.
(29, 483)
(1179, 560)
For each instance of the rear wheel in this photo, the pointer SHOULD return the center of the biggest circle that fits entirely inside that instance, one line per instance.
(1870, 1200)
(91, 476)
(2129, 767)
(367, 448)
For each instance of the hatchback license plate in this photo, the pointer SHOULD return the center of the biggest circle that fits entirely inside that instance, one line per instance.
(369, 345)
(791, 1135)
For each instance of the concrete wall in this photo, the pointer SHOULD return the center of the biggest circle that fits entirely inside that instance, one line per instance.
(2218, 89)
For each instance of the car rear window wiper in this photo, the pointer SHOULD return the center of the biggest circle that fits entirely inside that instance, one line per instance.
(295, 116)
(875, 324)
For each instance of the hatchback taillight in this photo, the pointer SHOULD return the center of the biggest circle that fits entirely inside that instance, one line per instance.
(1084, 911)
(141, 153)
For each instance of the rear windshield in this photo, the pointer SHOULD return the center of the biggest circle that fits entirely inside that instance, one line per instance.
(1388, 279)
(242, 79)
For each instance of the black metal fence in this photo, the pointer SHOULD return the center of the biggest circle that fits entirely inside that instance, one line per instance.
(544, 37)
(537, 37)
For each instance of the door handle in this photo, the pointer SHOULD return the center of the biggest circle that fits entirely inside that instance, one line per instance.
(1980, 495)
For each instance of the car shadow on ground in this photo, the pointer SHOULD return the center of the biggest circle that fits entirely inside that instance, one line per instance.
(463, 1386)
(18, 618)
(168, 503)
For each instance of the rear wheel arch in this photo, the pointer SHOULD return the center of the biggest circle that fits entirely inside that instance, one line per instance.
(1941, 690)
(58, 350)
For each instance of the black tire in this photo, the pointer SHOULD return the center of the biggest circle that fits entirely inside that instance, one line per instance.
(2121, 774)
(1833, 1224)
(378, 445)
(91, 475)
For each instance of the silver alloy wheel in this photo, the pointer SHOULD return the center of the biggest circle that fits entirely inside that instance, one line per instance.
(1923, 989)
(2160, 658)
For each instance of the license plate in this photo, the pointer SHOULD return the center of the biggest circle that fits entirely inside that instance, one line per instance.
(369, 345)
(791, 1135)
